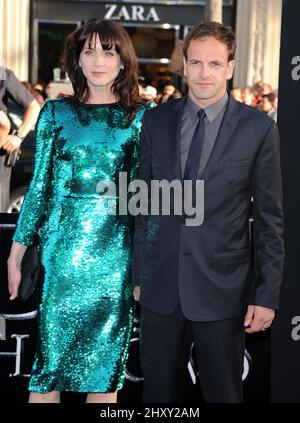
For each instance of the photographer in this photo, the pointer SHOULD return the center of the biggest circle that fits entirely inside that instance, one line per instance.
(12, 89)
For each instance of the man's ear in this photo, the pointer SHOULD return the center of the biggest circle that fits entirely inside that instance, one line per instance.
(230, 68)
(184, 66)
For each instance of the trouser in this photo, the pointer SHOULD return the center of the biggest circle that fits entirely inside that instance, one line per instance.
(219, 347)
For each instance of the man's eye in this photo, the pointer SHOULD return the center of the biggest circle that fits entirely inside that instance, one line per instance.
(88, 52)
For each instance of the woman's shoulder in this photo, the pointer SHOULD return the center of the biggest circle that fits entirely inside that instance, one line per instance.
(145, 107)
(54, 103)
(148, 106)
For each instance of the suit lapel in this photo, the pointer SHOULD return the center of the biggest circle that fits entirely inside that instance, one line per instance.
(175, 128)
(226, 130)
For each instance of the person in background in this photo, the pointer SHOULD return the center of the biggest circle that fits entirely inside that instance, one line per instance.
(12, 90)
(149, 94)
(268, 105)
(236, 93)
(167, 93)
(38, 93)
(248, 96)
(4, 127)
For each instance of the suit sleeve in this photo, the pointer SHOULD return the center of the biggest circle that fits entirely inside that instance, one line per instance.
(267, 223)
(35, 203)
(141, 221)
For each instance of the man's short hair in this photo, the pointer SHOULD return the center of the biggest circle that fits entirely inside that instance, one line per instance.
(220, 32)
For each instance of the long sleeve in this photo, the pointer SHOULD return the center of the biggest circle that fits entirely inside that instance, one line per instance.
(268, 223)
(141, 222)
(35, 202)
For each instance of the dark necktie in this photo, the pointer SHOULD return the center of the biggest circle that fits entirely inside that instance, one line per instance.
(193, 159)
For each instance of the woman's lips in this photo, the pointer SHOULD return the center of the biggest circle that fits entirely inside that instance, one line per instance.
(98, 73)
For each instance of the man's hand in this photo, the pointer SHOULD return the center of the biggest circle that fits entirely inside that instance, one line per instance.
(258, 318)
(137, 293)
(12, 143)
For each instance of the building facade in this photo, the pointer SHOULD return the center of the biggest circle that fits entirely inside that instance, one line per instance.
(35, 48)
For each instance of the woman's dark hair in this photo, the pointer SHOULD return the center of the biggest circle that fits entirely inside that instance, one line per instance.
(111, 35)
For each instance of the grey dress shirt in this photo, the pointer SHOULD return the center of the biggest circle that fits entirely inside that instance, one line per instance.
(212, 122)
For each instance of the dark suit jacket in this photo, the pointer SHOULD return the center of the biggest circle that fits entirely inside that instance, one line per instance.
(211, 268)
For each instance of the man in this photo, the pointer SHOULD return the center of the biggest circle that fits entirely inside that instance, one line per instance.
(206, 278)
(12, 89)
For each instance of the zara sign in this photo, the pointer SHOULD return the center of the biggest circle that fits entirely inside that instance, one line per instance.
(131, 13)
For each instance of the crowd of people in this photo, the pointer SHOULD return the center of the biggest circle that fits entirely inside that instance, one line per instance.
(260, 95)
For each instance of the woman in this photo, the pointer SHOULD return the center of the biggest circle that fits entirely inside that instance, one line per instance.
(86, 307)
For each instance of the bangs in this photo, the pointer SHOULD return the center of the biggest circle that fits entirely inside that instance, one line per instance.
(107, 35)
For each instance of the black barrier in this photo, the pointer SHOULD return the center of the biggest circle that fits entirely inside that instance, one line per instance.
(17, 327)
(18, 337)
(286, 333)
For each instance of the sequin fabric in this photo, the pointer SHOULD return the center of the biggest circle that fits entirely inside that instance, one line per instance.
(86, 308)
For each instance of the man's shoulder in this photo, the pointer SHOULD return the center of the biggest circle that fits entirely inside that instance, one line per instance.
(165, 110)
(251, 116)
(251, 111)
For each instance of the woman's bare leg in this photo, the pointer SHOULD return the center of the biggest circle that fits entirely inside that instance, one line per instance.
(53, 396)
(110, 397)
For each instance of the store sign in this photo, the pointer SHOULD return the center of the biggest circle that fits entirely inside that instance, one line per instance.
(131, 13)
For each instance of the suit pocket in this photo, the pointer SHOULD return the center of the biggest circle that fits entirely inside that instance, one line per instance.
(231, 257)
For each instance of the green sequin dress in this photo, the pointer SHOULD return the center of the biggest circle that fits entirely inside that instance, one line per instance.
(86, 308)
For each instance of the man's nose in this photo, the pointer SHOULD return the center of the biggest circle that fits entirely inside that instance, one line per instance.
(204, 71)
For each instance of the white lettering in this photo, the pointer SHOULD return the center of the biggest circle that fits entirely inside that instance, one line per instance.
(131, 13)
(124, 14)
(111, 8)
(152, 15)
(296, 69)
(296, 330)
(138, 13)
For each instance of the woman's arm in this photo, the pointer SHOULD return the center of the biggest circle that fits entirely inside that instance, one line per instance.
(14, 268)
(36, 200)
(35, 204)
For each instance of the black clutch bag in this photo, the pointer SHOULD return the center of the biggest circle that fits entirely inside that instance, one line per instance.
(31, 270)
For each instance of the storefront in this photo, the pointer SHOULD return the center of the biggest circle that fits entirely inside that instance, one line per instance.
(154, 28)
